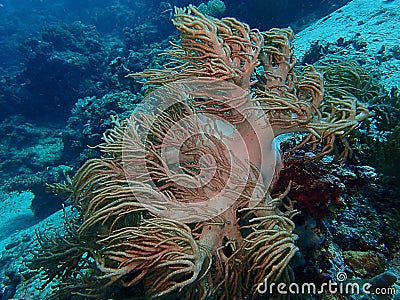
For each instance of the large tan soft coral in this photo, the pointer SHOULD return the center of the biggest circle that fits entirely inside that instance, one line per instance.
(121, 244)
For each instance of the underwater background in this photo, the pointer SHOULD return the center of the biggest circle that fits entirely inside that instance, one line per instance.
(63, 81)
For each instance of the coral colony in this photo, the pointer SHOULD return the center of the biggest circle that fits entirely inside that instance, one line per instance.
(179, 206)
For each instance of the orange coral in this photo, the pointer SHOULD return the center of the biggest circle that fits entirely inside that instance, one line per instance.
(180, 204)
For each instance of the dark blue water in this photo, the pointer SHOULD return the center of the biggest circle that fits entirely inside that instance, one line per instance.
(20, 19)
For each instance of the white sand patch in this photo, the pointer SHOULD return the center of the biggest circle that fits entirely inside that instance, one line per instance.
(374, 21)
(15, 212)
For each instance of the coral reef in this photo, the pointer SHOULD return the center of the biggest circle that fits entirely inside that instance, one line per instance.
(149, 219)
(64, 56)
(213, 8)
(91, 116)
(318, 187)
